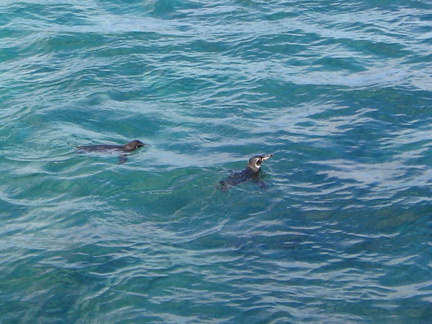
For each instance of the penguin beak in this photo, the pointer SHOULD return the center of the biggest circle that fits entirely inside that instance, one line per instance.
(266, 157)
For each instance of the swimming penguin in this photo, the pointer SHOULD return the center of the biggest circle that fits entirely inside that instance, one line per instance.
(122, 149)
(251, 172)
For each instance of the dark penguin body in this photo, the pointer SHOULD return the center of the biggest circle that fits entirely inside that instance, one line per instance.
(251, 172)
(122, 149)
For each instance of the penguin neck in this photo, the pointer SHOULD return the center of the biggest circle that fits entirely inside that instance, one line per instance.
(253, 168)
(128, 148)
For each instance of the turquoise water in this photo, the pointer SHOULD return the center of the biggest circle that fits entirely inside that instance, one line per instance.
(340, 92)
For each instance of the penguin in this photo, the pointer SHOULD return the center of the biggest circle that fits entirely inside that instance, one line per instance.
(122, 149)
(251, 172)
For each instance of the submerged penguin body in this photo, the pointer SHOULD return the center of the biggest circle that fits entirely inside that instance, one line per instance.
(121, 149)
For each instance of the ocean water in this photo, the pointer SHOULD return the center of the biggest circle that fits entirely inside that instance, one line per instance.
(339, 91)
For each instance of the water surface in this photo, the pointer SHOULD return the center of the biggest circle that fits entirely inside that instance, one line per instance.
(339, 92)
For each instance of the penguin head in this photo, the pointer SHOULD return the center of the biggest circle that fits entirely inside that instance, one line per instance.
(256, 161)
(133, 145)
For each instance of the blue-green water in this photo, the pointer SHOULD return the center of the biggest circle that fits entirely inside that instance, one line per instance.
(339, 91)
